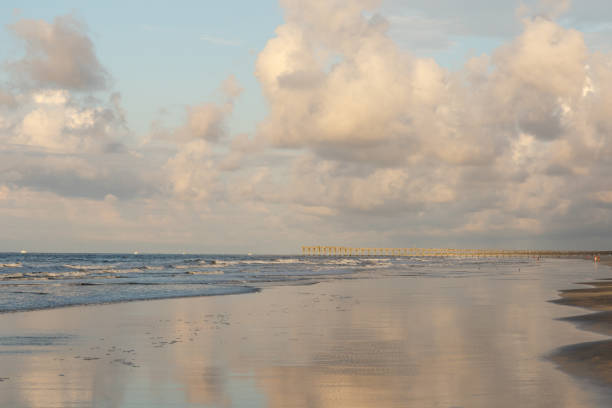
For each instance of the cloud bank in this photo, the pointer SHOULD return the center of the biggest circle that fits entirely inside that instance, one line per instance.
(364, 143)
(513, 145)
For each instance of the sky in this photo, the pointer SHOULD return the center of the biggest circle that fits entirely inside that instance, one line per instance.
(241, 126)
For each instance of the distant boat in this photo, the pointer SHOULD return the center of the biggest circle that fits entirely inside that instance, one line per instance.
(23, 251)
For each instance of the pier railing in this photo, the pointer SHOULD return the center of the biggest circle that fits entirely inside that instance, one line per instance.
(449, 252)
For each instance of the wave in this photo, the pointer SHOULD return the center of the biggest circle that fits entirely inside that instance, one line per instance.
(226, 262)
(128, 270)
(353, 261)
(287, 261)
(219, 263)
(343, 261)
(121, 294)
(204, 272)
(87, 267)
(11, 265)
(52, 276)
(11, 276)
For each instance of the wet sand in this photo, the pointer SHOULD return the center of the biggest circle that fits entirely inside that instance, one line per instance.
(469, 339)
(591, 360)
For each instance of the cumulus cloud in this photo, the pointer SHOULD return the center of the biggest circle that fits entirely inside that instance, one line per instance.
(70, 176)
(57, 135)
(194, 171)
(191, 171)
(7, 99)
(343, 94)
(75, 149)
(231, 89)
(58, 54)
(53, 107)
(56, 121)
(206, 121)
(324, 63)
(516, 139)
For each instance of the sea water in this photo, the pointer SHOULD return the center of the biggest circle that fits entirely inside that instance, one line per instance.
(47, 280)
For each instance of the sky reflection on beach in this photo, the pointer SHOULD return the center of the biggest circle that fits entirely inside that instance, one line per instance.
(390, 342)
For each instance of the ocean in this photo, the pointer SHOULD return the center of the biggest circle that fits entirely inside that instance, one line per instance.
(34, 281)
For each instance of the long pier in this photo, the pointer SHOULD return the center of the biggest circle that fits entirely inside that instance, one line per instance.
(448, 252)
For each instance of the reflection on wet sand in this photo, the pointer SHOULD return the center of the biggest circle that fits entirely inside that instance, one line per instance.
(390, 342)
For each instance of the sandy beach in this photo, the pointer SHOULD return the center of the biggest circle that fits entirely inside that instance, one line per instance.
(592, 360)
(461, 341)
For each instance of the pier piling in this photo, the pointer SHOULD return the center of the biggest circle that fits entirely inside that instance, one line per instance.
(443, 252)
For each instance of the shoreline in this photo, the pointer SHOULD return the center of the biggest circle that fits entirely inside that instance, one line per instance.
(251, 290)
(590, 360)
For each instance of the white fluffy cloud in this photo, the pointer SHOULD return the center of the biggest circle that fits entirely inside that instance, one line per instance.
(56, 135)
(58, 54)
(517, 139)
(52, 120)
(193, 172)
(208, 121)
(7, 99)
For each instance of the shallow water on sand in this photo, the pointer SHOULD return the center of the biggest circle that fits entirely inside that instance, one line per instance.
(446, 336)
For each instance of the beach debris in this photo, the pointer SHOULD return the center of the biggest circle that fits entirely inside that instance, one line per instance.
(4, 379)
(86, 358)
(125, 362)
